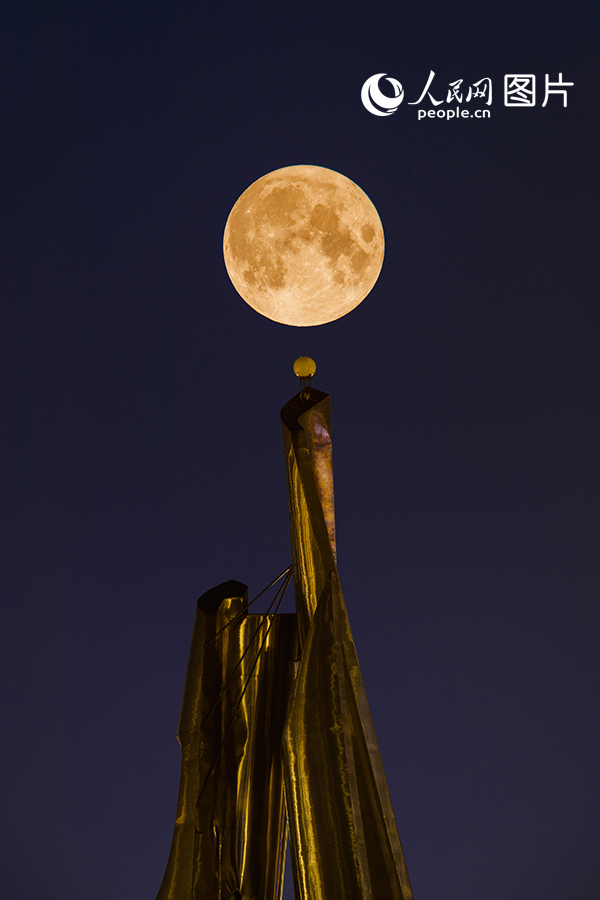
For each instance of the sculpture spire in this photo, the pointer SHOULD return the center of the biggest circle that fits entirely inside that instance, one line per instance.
(278, 700)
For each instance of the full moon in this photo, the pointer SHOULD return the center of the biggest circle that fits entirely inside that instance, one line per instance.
(303, 245)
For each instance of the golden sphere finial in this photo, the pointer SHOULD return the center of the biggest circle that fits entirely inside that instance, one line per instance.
(305, 367)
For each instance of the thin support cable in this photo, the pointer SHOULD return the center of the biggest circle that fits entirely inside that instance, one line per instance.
(248, 605)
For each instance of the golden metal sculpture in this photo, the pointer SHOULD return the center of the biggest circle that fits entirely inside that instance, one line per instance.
(275, 727)
(230, 831)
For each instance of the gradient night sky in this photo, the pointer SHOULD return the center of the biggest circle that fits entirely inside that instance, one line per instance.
(142, 458)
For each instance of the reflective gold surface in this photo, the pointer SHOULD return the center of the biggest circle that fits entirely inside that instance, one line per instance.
(343, 832)
(309, 471)
(230, 829)
(305, 367)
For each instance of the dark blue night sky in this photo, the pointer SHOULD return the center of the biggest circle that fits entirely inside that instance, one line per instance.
(141, 449)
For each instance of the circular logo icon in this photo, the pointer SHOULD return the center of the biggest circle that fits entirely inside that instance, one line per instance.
(376, 102)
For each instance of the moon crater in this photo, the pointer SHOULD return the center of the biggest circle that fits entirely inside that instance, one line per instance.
(303, 245)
